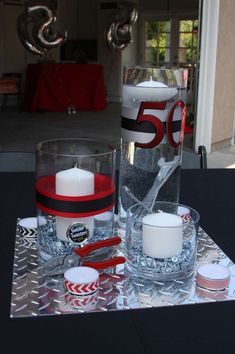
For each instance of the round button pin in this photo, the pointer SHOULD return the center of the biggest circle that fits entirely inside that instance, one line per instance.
(77, 232)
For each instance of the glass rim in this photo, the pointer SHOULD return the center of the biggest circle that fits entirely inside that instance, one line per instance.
(112, 148)
(145, 67)
(195, 219)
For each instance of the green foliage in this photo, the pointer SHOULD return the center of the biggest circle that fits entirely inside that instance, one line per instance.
(157, 34)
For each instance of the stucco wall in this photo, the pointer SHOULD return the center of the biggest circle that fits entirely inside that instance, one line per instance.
(224, 95)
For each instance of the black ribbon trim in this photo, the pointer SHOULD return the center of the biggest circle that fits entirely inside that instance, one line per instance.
(87, 206)
(147, 127)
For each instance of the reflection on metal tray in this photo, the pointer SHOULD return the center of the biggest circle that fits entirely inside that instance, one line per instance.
(34, 294)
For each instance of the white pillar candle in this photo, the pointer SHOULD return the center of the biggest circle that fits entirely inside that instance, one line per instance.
(162, 235)
(74, 182)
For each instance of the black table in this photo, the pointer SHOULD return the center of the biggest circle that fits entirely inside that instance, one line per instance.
(201, 328)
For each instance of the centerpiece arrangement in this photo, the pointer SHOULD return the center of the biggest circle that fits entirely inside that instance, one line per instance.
(151, 247)
(75, 186)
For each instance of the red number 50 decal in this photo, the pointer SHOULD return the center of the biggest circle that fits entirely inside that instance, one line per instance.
(158, 125)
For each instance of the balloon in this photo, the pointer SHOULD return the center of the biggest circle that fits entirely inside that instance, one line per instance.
(127, 12)
(43, 35)
(119, 33)
(22, 24)
(45, 31)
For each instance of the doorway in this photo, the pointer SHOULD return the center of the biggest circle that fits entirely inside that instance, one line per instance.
(172, 40)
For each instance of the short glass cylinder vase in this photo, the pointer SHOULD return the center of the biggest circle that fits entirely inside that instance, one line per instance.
(161, 242)
(75, 194)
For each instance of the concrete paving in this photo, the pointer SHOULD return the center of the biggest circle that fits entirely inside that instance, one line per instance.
(224, 158)
(22, 131)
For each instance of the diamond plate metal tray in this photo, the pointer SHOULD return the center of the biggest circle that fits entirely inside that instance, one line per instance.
(37, 295)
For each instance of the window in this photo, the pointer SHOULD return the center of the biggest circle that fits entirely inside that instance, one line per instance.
(170, 42)
(188, 41)
(157, 42)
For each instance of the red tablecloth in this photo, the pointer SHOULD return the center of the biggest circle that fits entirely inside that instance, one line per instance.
(53, 87)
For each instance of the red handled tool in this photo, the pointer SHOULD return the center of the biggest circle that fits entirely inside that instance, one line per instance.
(59, 264)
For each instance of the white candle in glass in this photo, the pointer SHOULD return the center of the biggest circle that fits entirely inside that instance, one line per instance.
(147, 91)
(74, 182)
(163, 92)
(150, 90)
(162, 235)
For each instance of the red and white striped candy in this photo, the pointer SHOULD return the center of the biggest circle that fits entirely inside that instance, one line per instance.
(81, 280)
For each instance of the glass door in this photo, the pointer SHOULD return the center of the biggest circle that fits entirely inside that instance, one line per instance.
(173, 42)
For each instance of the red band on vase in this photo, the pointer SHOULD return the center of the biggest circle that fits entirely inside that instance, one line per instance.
(71, 206)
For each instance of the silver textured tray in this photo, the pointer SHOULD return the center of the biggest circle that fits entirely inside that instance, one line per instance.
(36, 295)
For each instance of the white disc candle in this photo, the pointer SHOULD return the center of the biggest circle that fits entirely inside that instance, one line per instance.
(74, 182)
(162, 235)
(146, 91)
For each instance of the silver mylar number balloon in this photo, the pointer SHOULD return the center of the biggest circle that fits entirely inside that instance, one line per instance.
(36, 28)
(119, 33)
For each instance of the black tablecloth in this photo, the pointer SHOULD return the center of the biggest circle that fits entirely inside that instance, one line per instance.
(205, 328)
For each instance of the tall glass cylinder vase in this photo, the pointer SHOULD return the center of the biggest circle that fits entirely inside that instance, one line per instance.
(153, 121)
(75, 189)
